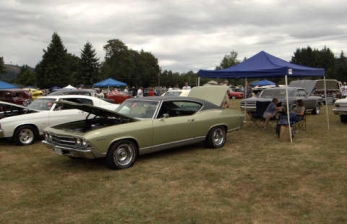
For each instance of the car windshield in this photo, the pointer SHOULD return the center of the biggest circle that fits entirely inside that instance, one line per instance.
(138, 108)
(278, 93)
(42, 104)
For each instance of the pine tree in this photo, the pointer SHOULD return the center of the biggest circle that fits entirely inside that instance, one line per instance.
(89, 66)
(52, 70)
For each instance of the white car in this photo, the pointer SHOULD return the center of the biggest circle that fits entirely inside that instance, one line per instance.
(177, 92)
(340, 108)
(24, 129)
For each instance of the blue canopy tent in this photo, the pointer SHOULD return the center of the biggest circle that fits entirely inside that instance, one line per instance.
(109, 83)
(5, 85)
(264, 65)
(263, 82)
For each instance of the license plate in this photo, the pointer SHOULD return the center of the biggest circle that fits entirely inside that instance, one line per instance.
(58, 151)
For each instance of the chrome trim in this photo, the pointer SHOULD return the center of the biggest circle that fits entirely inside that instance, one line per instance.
(176, 144)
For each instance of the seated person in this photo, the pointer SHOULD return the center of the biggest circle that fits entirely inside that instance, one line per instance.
(298, 112)
(271, 111)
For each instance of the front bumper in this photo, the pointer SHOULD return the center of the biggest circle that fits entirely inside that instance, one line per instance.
(340, 111)
(72, 152)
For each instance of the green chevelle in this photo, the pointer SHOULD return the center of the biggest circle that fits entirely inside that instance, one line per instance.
(145, 125)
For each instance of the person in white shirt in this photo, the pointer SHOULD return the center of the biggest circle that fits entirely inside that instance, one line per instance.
(344, 90)
(186, 86)
(140, 92)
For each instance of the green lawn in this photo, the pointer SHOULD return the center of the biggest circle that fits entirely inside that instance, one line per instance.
(254, 178)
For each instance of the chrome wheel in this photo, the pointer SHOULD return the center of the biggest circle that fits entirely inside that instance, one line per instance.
(25, 135)
(122, 155)
(216, 137)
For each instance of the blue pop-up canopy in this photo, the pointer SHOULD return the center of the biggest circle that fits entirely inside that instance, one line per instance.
(109, 83)
(263, 82)
(263, 65)
(5, 85)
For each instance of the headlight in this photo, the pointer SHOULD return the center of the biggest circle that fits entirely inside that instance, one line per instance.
(81, 142)
(48, 136)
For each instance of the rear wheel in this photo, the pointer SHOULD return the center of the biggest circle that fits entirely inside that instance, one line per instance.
(121, 155)
(216, 137)
(25, 135)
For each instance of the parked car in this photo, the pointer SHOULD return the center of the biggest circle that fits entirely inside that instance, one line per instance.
(10, 109)
(340, 109)
(85, 92)
(117, 96)
(236, 93)
(177, 92)
(312, 103)
(316, 88)
(24, 129)
(16, 96)
(145, 125)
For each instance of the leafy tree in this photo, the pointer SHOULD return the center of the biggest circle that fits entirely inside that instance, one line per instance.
(341, 68)
(52, 70)
(316, 58)
(2, 65)
(26, 77)
(134, 68)
(88, 70)
(228, 61)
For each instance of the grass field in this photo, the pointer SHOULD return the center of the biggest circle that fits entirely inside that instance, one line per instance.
(254, 178)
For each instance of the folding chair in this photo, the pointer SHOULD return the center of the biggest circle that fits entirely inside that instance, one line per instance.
(257, 116)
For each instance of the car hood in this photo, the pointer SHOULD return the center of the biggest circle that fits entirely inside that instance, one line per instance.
(98, 111)
(213, 93)
(308, 85)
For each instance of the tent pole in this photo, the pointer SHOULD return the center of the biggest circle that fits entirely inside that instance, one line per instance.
(244, 96)
(326, 103)
(288, 112)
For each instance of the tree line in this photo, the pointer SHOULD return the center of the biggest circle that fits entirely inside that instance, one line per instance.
(58, 67)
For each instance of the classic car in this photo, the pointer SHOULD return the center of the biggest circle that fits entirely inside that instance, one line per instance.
(176, 92)
(340, 109)
(236, 93)
(24, 129)
(117, 96)
(312, 103)
(145, 125)
(316, 88)
(16, 96)
(11, 109)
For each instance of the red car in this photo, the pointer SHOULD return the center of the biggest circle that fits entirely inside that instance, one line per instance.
(236, 93)
(16, 96)
(117, 96)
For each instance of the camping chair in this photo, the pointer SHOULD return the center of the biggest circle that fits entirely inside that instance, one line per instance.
(257, 116)
(301, 124)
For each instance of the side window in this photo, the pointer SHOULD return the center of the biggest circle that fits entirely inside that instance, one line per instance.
(178, 108)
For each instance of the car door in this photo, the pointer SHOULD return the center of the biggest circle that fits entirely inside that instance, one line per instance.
(175, 122)
(308, 102)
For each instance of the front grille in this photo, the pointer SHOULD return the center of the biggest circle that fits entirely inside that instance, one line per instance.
(63, 140)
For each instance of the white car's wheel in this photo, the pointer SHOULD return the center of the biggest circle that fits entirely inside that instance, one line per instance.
(216, 138)
(121, 155)
(25, 135)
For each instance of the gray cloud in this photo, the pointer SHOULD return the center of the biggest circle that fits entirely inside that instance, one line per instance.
(183, 35)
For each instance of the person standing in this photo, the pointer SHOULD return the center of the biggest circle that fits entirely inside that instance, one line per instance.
(186, 86)
(140, 92)
(248, 91)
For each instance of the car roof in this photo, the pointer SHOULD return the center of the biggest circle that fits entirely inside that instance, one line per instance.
(67, 97)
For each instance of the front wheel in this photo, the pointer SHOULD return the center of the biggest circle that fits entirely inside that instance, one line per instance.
(316, 110)
(25, 135)
(216, 137)
(121, 155)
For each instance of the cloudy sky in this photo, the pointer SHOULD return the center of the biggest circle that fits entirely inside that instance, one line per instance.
(185, 35)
